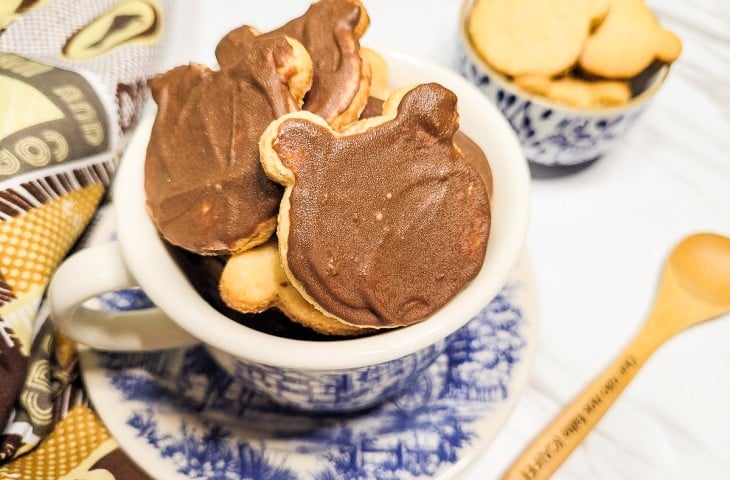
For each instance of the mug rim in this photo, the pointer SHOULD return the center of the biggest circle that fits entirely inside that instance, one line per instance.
(642, 98)
(152, 265)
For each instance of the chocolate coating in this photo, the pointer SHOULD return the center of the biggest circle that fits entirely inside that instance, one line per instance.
(330, 31)
(475, 155)
(386, 225)
(206, 190)
(472, 152)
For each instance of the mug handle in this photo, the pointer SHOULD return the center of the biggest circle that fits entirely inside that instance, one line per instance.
(91, 272)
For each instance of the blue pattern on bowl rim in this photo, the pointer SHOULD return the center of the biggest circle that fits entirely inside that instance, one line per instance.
(549, 135)
(193, 420)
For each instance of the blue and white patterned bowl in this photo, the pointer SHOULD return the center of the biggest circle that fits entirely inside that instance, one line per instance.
(551, 133)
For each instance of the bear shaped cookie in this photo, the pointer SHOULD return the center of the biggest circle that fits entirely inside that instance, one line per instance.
(254, 281)
(383, 223)
(533, 37)
(330, 31)
(206, 190)
(627, 41)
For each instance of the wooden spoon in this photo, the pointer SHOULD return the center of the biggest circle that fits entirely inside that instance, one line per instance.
(695, 287)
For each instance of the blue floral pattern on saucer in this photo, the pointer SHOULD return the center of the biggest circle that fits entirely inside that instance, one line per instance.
(181, 416)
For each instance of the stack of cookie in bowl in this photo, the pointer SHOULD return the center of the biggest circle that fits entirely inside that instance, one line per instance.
(571, 76)
(349, 213)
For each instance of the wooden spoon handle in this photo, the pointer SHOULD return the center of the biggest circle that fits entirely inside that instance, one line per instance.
(553, 445)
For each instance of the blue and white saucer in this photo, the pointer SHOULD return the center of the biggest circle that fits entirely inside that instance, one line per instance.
(180, 417)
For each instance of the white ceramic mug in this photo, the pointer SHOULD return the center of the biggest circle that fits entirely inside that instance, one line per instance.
(312, 375)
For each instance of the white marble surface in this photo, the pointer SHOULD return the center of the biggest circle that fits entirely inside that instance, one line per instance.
(598, 239)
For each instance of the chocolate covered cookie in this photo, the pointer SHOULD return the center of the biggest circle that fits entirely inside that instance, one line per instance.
(206, 190)
(383, 223)
(254, 281)
(330, 31)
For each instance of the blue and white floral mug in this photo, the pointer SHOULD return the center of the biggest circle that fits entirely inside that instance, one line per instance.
(551, 133)
(333, 375)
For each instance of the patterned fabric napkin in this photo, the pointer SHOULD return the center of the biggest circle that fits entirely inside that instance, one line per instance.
(73, 79)
(80, 448)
